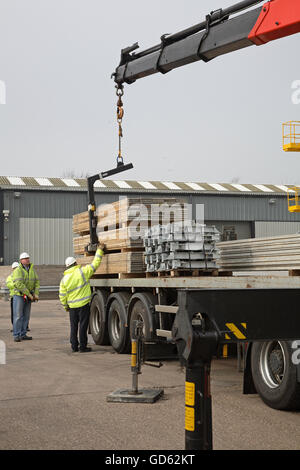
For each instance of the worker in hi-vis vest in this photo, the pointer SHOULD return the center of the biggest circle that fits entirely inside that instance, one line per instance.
(26, 291)
(75, 296)
(10, 285)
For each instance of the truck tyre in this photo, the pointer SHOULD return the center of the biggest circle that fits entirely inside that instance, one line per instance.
(117, 322)
(142, 308)
(98, 318)
(274, 374)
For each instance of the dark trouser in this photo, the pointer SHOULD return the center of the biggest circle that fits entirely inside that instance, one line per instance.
(11, 311)
(21, 308)
(79, 317)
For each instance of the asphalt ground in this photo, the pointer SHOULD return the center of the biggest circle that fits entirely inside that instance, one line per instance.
(51, 398)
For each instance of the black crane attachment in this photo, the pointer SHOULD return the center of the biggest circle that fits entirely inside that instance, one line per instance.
(92, 246)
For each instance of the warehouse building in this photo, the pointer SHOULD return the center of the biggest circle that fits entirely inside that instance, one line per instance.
(36, 213)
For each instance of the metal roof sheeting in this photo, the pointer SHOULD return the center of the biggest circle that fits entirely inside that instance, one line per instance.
(110, 185)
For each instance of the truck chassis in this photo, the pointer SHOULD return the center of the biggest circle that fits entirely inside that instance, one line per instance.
(258, 311)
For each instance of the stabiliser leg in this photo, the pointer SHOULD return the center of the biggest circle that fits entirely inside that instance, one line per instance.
(208, 317)
(197, 340)
(198, 402)
(135, 395)
(198, 409)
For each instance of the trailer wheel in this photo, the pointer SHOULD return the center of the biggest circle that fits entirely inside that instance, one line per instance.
(142, 308)
(98, 318)
(274, 374)
(139, 313)
(117, 323)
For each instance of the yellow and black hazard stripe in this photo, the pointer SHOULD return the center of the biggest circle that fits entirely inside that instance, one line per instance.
(236, 331)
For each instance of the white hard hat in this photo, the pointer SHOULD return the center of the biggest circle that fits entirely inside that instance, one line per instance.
(24, 255)
(15, 264)
(69, 261)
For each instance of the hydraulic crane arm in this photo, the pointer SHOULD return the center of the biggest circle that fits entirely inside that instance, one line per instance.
(219, 34)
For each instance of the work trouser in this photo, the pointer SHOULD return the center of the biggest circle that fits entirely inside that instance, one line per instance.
(21, 314)
(12, 310)
(79, 317)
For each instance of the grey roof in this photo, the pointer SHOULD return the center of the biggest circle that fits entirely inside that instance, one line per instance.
(20, 182)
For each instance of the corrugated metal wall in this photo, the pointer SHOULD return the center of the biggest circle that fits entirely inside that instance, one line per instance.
(245, 208)
(40, 222)
(34, 215)
(269, 229)
(48, 241)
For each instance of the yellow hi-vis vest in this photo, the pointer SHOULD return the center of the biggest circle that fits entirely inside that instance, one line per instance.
(10, 285)
(75, 289)
(25, 282)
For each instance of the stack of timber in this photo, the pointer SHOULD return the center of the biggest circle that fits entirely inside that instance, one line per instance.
(279, 253)
(121, 226)
(181, 247)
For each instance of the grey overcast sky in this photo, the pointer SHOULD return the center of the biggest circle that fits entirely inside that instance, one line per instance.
(215, 122)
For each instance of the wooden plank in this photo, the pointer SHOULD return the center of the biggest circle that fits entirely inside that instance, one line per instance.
(115, 263)
(120, 213)
(119, 239)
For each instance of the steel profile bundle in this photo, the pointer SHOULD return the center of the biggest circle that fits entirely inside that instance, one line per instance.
(181, 246)
(279, 253)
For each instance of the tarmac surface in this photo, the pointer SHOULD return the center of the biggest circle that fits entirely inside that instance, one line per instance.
(51, 398)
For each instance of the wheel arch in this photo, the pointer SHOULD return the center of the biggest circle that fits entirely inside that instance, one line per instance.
(122, 297)
(149, 300)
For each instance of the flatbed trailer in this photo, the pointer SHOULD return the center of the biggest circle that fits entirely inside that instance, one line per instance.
(244, 309)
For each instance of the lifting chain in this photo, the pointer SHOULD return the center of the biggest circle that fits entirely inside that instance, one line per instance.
(120, 114)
